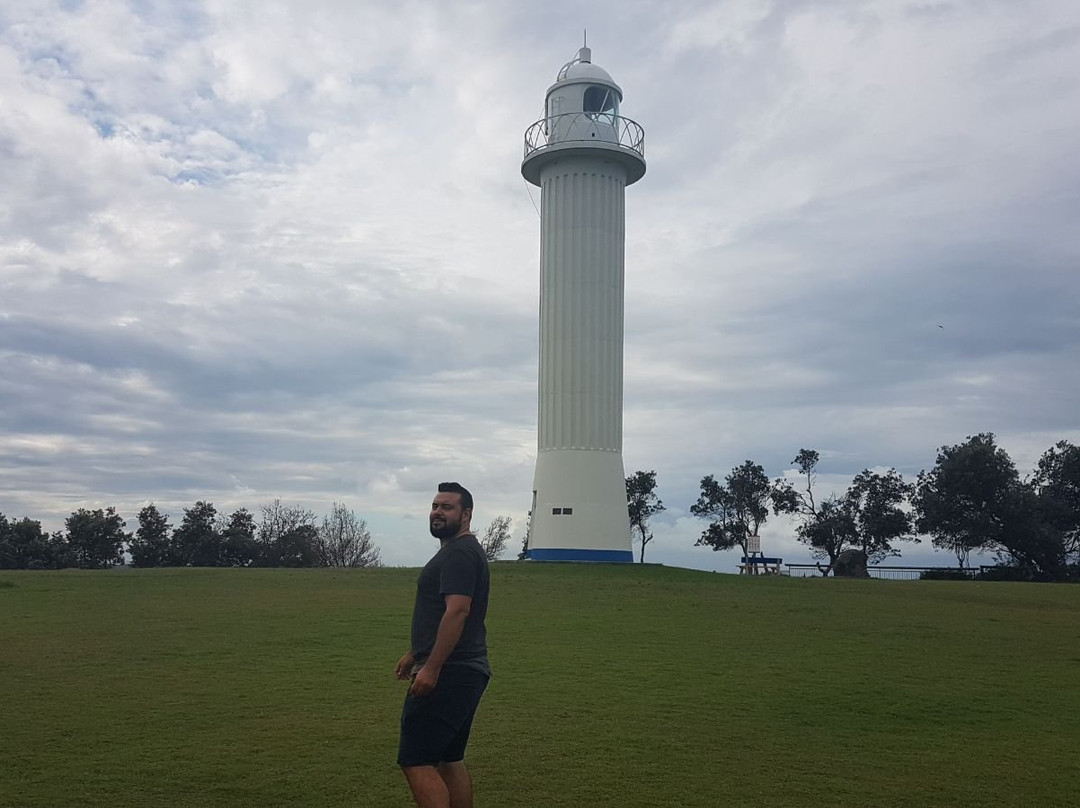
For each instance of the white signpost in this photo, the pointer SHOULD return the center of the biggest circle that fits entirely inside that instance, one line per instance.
(754, 563)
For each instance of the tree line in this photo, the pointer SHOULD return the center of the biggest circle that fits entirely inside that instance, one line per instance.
(973, 499)
(282, 536)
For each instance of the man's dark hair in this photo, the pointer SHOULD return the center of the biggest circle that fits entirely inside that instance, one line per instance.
(457, 488)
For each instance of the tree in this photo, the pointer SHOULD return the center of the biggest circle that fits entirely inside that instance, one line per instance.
(525, 539)
(737, 508)
(9, 555)
(61, 555)
(831, 531)
(868, 517)
(344, 540)
(1028, 541)
(642, 503)
(23, 546)
(966, 501)
(239, 547)
(196, 542)
(496, 535)
(96, 538)
(288, 536)
(874, 502)
(974, 498)
(827, 528)
(1057, 484)
(800, 503)
(1040, 531)
(299, 547)
(151, 546)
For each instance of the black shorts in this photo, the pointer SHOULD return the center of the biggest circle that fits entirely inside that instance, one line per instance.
(435, 728)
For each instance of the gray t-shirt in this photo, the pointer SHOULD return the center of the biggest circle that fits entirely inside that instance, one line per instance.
(459, 568)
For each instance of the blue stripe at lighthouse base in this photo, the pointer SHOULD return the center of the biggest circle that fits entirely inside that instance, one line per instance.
(609, 556)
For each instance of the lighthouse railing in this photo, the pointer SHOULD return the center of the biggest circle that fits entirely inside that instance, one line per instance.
(585, 127)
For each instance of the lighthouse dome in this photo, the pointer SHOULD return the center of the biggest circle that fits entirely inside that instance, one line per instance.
(581, 70)
(585, 71)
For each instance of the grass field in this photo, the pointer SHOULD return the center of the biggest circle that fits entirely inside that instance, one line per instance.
(614, 686)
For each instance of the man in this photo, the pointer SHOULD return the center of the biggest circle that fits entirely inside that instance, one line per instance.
(447, 662)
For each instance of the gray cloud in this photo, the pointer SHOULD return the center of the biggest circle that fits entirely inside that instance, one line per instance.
(290, 254)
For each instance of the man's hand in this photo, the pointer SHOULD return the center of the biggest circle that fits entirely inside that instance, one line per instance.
(425, 681)
(404, 666)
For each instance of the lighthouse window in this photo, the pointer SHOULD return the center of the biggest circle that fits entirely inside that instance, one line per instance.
(599, 100)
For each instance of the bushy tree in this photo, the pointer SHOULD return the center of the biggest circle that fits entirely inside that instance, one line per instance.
(151, 546)
(239, 547)
(96, 538)
(642, 504)
(1027, 540)
(288, 536)
(299, 547)
(495, 537)
(60, 553)
(23, 546)
(345, 541)
(196, 541)
(1056, 482)
(736, 508)
(1040, 531)
(875, 503)
(969, 499)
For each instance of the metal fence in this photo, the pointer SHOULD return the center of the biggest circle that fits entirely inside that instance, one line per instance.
(585, 127)
(888, 572)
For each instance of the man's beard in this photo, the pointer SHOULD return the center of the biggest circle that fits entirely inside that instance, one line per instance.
(444, 529)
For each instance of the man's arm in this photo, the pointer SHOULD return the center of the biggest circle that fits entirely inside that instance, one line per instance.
(450, 628)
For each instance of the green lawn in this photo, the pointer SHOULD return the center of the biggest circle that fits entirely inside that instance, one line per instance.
(614, 686)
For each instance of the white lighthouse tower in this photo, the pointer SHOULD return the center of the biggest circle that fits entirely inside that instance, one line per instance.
(582, 154)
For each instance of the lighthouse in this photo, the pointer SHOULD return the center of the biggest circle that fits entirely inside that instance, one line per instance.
(582, 154)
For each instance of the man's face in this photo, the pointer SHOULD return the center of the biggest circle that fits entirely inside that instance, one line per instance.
(446, 515)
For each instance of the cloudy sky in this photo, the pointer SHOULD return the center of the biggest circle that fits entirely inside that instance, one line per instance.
(289, 253)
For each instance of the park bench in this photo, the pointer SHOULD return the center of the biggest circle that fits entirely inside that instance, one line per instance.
(755, 565)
